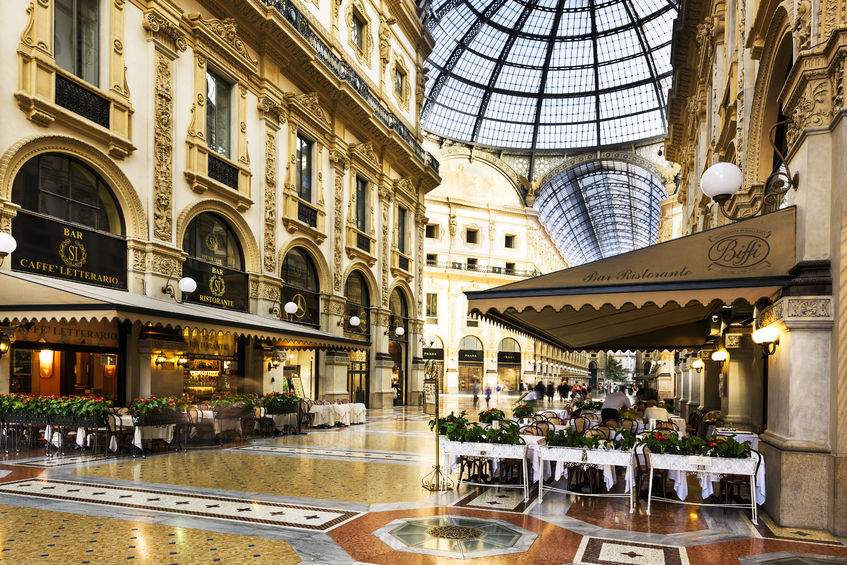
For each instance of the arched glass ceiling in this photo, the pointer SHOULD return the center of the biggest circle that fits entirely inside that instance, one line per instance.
(549, 74)
(602, 208)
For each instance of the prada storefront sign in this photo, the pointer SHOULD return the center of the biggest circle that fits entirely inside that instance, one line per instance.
(433, 353)
(56, 249)
(513, 357)
(471, 355)
(216, 286)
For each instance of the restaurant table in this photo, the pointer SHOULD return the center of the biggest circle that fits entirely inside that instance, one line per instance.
(740, 436)
(606, 460)
(223, 424)
(141, 434)
(346, 414)
(494, 452)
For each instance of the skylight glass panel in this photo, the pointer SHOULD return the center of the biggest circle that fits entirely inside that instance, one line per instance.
(574, 24)
(474, 68)
(617, 46)
(527, 52)
(622, 73)
(518, 79)
(662, 59)
(499, 133)
(612, 16)
(512, 108)
(655, 29)
(538, 23)
(556, 110)
(508, 14)
(456, 24)
(644, 8)
(623, 102)
(488, 41)
(572, 81)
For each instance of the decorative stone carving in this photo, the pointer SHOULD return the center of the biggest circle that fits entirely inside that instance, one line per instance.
(270, 200)
(420, 86)
(254, 289)
(273, 109)
(385, 248)
(704, 33)
(167, 266)
(339, 164)
(385, 39)
(365, 52)
(453, 223)
(812, 110)
(809, 308)
(734, 340)
(163, 149)
(227, 31)
(164, 31)
(139, 260)
(803, 25)
(312, 104)
(366, 151)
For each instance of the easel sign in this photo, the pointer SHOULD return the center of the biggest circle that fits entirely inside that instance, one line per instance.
(297, 385)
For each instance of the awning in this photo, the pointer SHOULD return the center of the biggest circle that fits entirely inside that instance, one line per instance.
(25, 297)
(657, 297)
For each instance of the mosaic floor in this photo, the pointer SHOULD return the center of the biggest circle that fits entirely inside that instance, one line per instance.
(350, 495)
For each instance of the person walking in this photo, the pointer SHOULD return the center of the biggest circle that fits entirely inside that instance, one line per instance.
(475, 394)
(488, 397)
(550, 392)
(540, 391)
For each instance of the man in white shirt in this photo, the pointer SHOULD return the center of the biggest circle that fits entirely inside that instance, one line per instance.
(653, 412)
(613, 404)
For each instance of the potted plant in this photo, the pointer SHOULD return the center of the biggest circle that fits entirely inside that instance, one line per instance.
(231, 406)
(154, 411)
(473, 440)
(491, 415)
(451, 424)
(717, 455)
(523, 411)
(281, 402)
(570, 446)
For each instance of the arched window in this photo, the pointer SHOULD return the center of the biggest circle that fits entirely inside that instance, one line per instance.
(399, 315)
(470, 343)
(358, 303)
(216, 262)
(509, 344)
(70, 225)
(301, 287)
(209, 238)
(55, 185)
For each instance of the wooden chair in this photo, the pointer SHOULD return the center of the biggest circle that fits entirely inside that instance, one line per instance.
(629, 425)
(642, 462)
(200, 427)
(580, 424)
(606, 431)
(731, 485)
(532, 430)
(612, 424)
(670, 426)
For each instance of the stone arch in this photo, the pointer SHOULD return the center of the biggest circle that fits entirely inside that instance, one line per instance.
(623, 156)
(373, 286)
(135, 216)
(411, 303)
(315, 255)
(765, 94)
(519, 183)
(252, 257)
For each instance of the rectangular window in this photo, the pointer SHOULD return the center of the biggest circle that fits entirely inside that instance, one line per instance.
(472, 236)
(399, 81)
(304, 168)
(76, 38)
(357, 32)
(431, 259)
(510, 268)
(432, 231)
(431, 308)
(218, 112)
(402, 214)
(472, 322)
(510, 242)
(362, 205)
(472, 264)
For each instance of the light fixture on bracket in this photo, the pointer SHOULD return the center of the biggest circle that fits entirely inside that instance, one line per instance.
(722, 180)
(6, 338)
(274, 361)
(290, 308)
(399, 331)
(354, 321)
(186, 286)
(184, 362)
(427, 340)
(160, 360)
(697, 365)
(8, 244)
(768, 337)
(720, 356)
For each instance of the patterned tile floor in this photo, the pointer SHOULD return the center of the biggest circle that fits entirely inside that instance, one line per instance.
(330, 497)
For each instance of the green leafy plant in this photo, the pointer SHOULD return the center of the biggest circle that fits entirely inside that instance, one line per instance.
(508, 433)
(153, 405)
(713, 446)
(449, 424)
(726, 447)
(525, 410)
(488, 416)
(588, 405)
(624, 439)
(221, 400)
(277, 399)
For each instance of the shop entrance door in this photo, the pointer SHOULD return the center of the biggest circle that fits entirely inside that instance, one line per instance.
(357, 377)
(467, 375)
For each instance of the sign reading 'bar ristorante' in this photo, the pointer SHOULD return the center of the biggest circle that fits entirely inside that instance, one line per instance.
(55, 249)
(216, 286)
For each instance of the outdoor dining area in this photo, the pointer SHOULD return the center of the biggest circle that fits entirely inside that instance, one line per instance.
(573, 452)
(94, 426)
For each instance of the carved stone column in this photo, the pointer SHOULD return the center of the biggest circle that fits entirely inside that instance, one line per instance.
(743, 384)
(386, 195)
(797, 442)
(685, 371)
(265, 295)
(339, 162)
(333, 383)
(381, 393)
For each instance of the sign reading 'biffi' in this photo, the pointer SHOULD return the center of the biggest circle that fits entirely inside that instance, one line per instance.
(216, 286)
(55, 249)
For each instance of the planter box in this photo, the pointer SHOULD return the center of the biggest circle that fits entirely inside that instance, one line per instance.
(23, 418)
(160, 419)
(586, 456)
(472, 449)
(294, 408)
(700, 464)
(234, 412)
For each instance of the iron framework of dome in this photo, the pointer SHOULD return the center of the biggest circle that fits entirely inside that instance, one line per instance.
(602, 208)
(549, 74)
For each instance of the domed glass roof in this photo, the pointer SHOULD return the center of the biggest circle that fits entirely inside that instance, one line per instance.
(549, 74)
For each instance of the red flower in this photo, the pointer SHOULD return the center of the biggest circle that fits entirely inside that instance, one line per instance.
(713, 444)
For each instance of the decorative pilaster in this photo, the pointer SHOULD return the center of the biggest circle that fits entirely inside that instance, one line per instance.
(386, 195)
(163, 148)
(339, 163)
(274, 116)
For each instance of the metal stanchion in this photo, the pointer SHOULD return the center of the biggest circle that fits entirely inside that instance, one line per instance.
(437, 479)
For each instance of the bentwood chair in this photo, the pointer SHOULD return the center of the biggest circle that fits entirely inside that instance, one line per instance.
(642, 461)
(532, 430)
(580, 424)
(670, 426)
(735, 485)
(604, 430)
(629, 425)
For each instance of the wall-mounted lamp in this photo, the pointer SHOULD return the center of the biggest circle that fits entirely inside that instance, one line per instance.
(722, 180)
(720, 356)
(697, 365)
(45, 363)
(399, 331)
(290, 307)
(186, 286)
(160, 360)
(427, 340)
(767, 337)
(184, 362)
(353, 321)
(7, 245)
(273, 362)
(5, 344)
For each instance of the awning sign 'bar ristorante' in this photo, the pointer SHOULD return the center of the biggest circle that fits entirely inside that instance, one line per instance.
(657, 296)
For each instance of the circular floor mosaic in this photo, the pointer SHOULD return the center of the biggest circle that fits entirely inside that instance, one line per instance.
(456, 536)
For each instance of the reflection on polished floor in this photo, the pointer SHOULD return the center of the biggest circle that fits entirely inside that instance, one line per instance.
(349, 495)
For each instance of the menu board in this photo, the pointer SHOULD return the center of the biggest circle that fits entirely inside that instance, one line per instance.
(297, 386)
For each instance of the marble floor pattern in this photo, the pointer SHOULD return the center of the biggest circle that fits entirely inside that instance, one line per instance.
(335, 496)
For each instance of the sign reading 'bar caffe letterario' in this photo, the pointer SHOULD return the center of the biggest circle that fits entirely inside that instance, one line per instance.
(55, 249)
(216, 286)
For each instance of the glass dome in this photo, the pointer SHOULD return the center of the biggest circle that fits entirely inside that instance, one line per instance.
(549, 74)
(602, 208)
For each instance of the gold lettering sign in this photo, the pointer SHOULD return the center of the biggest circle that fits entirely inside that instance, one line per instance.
(217, 285)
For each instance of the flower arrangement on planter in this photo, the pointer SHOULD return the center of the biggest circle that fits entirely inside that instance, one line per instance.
(587, 405)
(221, 400)
(459, 429)
(69, 410)
(166, 409)
(488, 416)
(281, 402)
(670, 443)
(569, 437)
(523, 410)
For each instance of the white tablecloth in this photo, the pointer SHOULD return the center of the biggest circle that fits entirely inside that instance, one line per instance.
(141, 433)
(706, 480)
(329, 414)
(222, 424)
